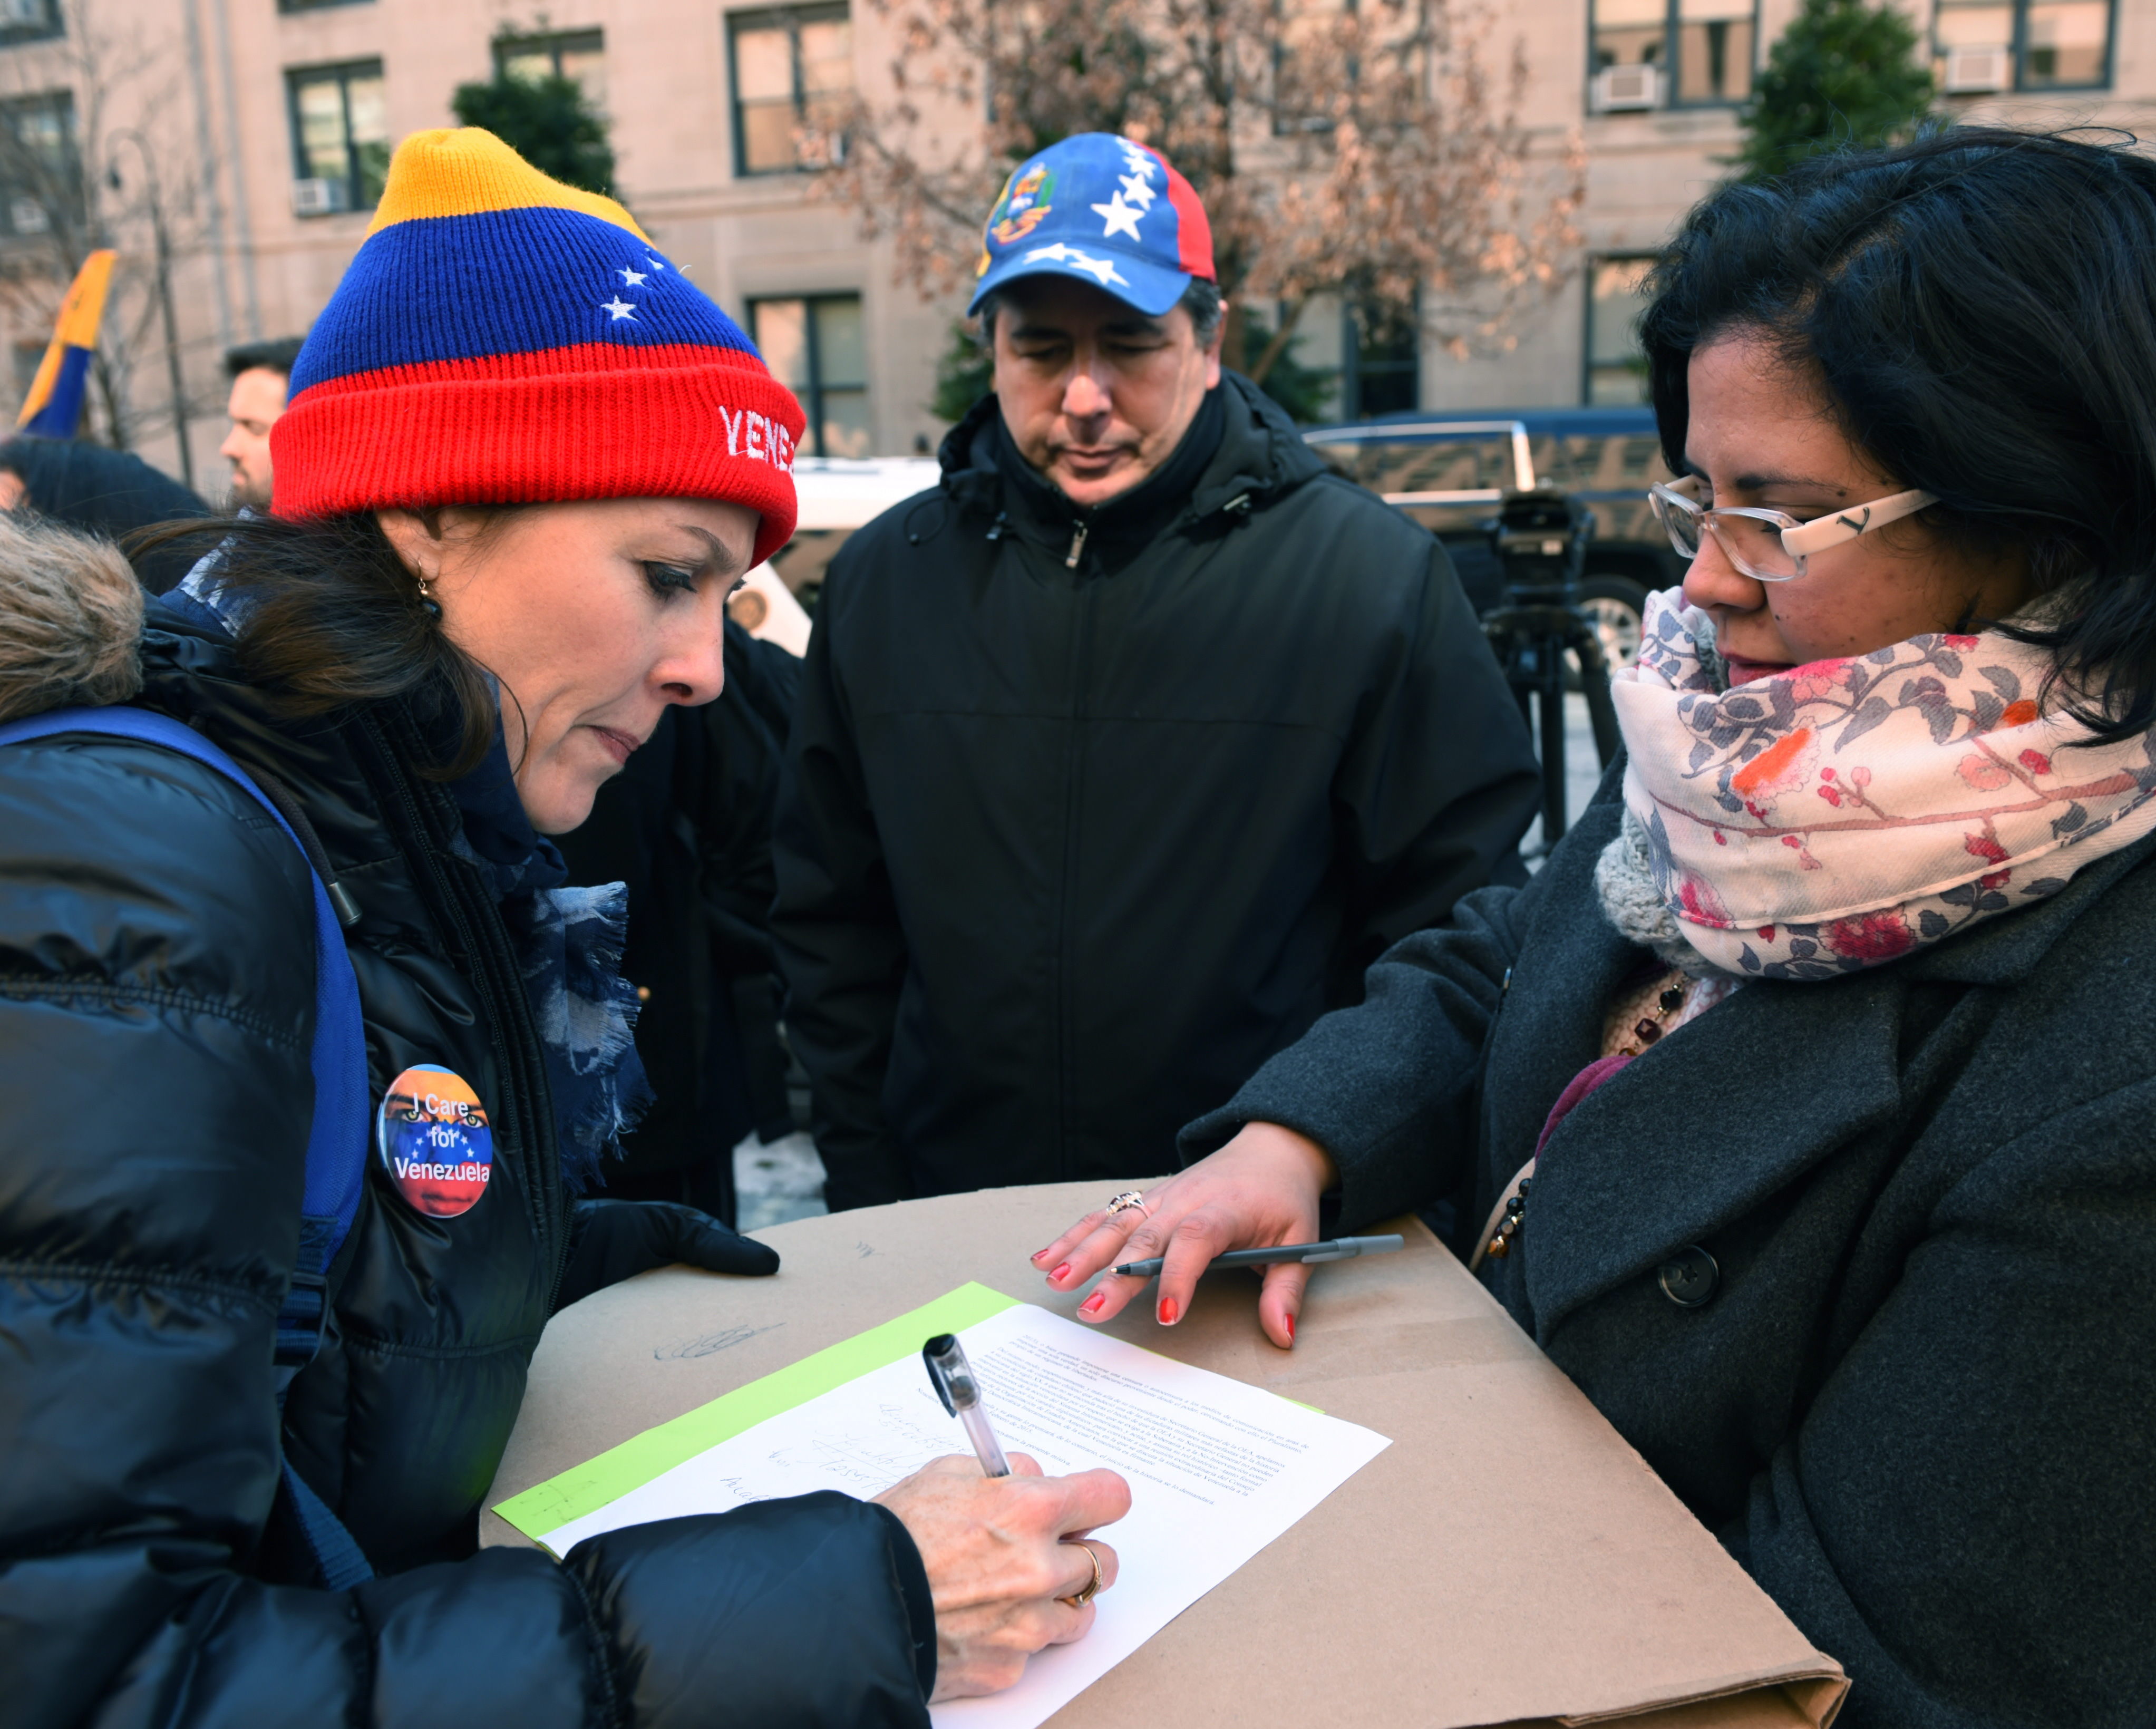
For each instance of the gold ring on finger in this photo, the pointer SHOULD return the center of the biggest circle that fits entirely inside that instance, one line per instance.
(1092, 1589)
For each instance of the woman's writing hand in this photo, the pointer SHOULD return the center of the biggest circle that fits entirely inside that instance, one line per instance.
(1259, 1190)
(1001, 1554)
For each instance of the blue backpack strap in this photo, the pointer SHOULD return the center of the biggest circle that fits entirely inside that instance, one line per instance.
(335, 1553)
(336, 1141)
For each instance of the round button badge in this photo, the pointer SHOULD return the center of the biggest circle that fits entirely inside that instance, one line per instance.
(433, 1134)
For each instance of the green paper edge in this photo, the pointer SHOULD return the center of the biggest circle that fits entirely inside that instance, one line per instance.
(586, 1487)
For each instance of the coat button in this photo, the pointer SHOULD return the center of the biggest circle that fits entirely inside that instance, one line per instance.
(1688, 1278)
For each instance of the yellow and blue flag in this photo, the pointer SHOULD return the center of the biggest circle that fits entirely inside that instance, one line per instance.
(55, 403)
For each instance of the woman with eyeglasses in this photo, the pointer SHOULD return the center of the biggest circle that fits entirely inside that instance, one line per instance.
(1803, 1107)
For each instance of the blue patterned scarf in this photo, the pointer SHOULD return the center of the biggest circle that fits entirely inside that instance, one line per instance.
(568, 944)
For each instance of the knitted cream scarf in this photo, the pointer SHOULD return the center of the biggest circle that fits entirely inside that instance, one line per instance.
(1841, 815)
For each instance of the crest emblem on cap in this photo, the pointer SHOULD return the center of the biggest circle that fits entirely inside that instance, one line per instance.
(1024, 205)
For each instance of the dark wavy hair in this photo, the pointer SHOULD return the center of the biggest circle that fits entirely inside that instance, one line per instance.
(1980, 308)
(334, 620)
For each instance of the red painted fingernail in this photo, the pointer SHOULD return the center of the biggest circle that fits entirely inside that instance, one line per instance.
(1091, 1305)
(1290, 1329)
(1037, 1253)
(1059, 1272)
(1167, 1311)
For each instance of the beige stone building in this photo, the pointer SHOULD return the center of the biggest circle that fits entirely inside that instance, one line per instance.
(267, 124)
(1656, 86)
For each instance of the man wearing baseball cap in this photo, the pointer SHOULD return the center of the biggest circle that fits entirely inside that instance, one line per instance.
(1123, 752)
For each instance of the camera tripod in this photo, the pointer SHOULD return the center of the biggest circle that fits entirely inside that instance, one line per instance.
(1541, 539)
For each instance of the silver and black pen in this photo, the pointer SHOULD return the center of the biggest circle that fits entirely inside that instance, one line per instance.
(1331, 1248)
(952, 1378)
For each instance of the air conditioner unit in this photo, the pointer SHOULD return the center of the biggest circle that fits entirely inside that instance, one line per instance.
(319, 198)
(26, 216)
(1619, 89)
(1973, 70)
(19, 13)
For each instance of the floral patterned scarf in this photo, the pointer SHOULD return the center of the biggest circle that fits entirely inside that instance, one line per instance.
(1841, 815)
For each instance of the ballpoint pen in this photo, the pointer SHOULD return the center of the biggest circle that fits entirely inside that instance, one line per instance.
(952, 1378)
(1332, 1248)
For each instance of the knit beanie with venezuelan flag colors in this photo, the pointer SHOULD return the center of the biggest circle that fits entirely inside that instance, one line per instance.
(502, 338)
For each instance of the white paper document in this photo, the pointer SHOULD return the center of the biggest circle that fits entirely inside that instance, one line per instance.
(1217, 1470)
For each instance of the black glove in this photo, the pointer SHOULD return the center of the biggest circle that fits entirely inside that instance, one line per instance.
(616, 1240)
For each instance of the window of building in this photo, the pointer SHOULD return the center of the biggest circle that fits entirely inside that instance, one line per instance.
(816, 345)
(794, 84)
(1381, 361)
(340, 137)
(305, 5)
(578, 55)
(1983, 45)
(28, 21)
(1371, 351)
(1671, 53)
(1616, 368)
(40, 172)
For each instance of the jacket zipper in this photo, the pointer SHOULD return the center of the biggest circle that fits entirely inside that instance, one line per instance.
(1080, 662)
(1073, 757)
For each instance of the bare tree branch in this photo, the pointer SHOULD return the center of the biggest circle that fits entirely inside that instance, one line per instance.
(1370, 149)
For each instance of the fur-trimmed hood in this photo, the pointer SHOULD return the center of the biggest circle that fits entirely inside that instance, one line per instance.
(70, 620)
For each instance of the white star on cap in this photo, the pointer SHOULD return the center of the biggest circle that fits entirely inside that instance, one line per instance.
(634, 279)
(1121, 218)
(655, 263)
(1103, 269)
(618, 308)
(1136, 189)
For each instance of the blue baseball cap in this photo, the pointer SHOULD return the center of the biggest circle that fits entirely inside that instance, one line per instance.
(1105, 210)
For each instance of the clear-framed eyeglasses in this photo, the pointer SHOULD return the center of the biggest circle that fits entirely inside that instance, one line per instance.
(1769, 546)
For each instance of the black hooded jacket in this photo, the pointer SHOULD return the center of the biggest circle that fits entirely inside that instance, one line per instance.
(157, 1006)
(1088, 813)
(108, 492)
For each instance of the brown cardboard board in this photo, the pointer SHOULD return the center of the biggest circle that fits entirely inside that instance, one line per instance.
(1508, 1560)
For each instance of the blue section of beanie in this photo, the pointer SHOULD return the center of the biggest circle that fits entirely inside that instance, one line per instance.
(557, 279)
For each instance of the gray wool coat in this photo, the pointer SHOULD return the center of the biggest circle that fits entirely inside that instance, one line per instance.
(1919, 1405)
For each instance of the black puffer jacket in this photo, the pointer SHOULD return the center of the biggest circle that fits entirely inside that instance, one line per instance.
(156, 999)
(1088, 813)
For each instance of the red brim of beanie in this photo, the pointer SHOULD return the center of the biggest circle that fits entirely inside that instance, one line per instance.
(539, 429)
